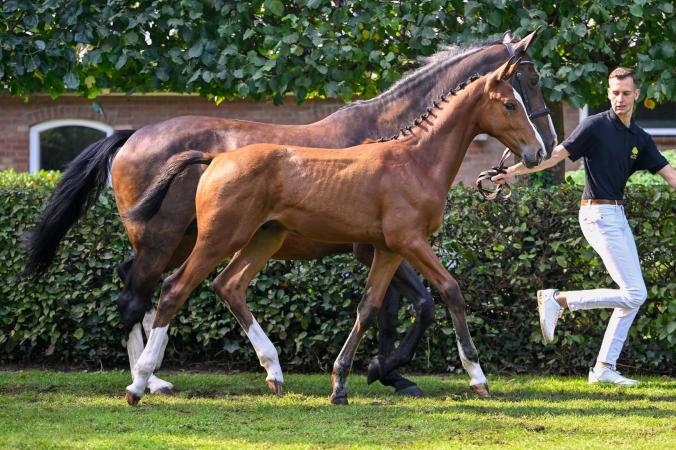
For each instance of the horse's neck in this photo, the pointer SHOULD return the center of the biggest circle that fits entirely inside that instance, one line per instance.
(386, 114)
(442, 144)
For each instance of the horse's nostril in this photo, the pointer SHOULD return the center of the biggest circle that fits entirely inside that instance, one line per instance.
(542, 154)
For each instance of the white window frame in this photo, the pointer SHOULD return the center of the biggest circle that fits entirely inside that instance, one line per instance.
(584, 112)
(34, 160)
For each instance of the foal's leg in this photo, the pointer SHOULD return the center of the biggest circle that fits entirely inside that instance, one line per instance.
(419, 253)
(231, 285)
(206, 255)
(384, 265)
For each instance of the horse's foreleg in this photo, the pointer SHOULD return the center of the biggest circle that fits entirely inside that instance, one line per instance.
(231, 286)
(422, 257)
(384, 265)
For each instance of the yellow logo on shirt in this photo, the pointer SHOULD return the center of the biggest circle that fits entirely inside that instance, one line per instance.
(634, 153)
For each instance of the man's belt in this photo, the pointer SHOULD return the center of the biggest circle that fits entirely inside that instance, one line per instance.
(600, 201)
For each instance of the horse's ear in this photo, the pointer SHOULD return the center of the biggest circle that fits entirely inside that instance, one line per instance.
(523, 45)
(507, 37)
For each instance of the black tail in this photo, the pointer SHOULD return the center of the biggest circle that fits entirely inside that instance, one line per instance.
(77, 191)
(152, 199)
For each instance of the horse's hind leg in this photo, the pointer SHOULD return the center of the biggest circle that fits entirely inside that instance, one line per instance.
(420, 255)
(384, 265)
(142, 273)
(209, 251)
(231, 286)
(384, 366)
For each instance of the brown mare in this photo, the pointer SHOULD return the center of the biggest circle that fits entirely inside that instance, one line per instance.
(166, 240)
(389, 194)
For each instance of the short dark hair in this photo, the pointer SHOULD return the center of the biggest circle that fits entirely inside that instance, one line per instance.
(624, 72)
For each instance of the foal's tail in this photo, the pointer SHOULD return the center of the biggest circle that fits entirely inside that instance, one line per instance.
(77, 191)
(151, 201)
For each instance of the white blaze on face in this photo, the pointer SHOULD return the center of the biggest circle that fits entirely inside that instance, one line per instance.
(552, 129)
(472, 368)
(535, 130)
(267, 354)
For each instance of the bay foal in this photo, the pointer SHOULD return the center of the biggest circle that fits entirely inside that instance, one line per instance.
(389, 194)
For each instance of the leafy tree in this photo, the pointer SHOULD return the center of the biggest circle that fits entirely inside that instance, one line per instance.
(222, 49)
(265, 49)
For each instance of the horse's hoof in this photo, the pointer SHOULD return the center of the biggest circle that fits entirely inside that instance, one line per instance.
(276, 387)
(164, 391)
(410, 391)
(338, 399)
(374, 371)
(132, 398)
(481, 390)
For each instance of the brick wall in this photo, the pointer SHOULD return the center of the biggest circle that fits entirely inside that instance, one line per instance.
(17, 116)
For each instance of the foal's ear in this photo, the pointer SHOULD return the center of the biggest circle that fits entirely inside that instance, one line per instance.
(503, 73)
(509, 68)
(507, 37)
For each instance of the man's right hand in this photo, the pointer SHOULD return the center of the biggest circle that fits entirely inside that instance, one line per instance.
(503, 178)
(558, 154)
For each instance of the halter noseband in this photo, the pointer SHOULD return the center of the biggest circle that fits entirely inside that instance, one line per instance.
(486, 175)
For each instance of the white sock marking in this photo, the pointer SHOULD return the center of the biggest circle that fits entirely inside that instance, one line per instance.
(149, 359)
(134, 346)
(473, 369)
(267, 354)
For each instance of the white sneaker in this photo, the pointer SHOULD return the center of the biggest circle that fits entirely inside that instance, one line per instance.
(609, 375)
(550, 312)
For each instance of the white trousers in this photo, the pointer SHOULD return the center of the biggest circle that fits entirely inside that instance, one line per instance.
(606, 229)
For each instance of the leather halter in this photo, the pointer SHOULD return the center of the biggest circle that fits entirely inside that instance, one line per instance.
(518, 76)
(486, 175)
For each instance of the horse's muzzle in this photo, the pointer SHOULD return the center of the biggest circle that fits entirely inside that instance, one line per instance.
(532, 159)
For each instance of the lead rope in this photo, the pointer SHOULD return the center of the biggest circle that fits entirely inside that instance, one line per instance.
(486, 175)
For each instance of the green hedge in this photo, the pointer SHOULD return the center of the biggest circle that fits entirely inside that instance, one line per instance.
(500, 253)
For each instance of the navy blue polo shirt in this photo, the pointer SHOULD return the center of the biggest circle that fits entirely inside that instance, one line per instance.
(611, 152)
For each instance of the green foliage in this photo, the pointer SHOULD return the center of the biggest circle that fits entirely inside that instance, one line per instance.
(582, 41)
(642, 177)
(500, 253)
(313, 48)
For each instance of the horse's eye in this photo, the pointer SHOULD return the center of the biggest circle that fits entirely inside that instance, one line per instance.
(510, 106)
(534, 82)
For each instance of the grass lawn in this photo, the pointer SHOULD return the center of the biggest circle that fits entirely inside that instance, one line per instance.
(41, 409)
